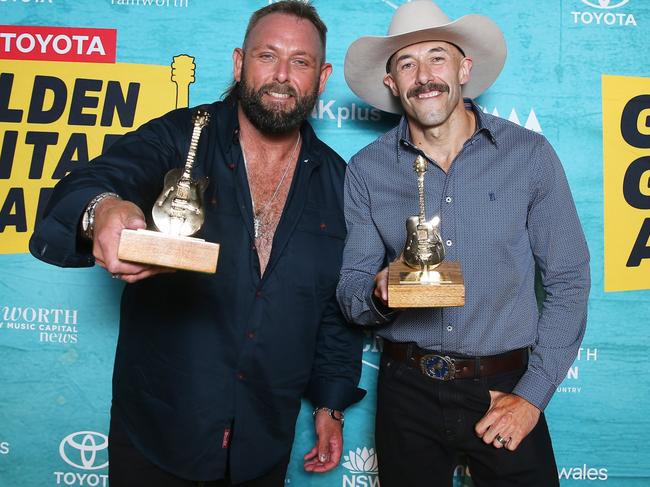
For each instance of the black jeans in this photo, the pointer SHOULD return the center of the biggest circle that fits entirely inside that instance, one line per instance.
(424, 425)
(129, 468)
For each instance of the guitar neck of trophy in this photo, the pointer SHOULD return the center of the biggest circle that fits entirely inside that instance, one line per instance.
(422, 216)
(420, 167)
(191, 153)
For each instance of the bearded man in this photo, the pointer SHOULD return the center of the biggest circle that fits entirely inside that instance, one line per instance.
(203, 393)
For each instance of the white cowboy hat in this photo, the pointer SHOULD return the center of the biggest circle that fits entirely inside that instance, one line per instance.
(419, 21)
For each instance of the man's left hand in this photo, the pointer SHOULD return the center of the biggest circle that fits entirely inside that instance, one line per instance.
(510, 417)
(329, 445)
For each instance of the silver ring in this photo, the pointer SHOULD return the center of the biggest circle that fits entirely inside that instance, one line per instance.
(502, 440)
(116, 276)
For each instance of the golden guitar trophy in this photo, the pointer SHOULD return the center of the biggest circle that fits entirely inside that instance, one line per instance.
(177, 213)
(423, 279)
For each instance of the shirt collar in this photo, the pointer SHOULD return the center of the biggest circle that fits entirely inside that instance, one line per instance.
(484, 125)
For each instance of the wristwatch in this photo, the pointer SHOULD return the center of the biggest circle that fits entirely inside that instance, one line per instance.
(88, 218)
(333, 413)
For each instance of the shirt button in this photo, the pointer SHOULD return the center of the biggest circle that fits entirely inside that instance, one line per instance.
(450, 328)
(448, 199)
(449, 243)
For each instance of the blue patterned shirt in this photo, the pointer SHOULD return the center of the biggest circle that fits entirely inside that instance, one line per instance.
(505, 208)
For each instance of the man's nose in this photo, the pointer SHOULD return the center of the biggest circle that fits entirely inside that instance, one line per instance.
(282, 71)
(423, 75)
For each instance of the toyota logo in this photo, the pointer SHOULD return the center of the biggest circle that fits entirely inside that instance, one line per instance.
(605, 3)
(82, 449)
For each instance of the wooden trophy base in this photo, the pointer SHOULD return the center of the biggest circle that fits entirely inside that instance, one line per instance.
(410, 288)
(156, 248)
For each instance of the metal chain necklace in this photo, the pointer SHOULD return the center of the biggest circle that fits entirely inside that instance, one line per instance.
(257, 214)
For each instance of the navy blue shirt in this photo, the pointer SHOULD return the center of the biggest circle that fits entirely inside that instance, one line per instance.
(505, 207)
(200, 354)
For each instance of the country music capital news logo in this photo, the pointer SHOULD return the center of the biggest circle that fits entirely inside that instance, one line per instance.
(54, 325)
(86, 451)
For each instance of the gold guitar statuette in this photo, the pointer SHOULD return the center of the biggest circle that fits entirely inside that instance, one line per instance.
(422, 278)
(177, 213)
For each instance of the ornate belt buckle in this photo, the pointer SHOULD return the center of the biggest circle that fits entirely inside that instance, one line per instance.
(438, 367)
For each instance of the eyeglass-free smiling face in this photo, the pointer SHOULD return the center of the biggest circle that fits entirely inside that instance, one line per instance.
(281, 72)
(428, 79)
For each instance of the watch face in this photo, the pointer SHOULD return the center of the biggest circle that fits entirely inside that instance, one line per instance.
(86, 224)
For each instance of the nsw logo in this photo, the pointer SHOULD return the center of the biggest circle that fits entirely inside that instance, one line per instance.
(363, 460)
(605, 3)
(362, 467)
(85, 450)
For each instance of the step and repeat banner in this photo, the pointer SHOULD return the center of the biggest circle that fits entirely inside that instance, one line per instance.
(76, 74)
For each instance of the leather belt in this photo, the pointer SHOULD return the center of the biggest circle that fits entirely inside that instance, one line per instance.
(443, 366)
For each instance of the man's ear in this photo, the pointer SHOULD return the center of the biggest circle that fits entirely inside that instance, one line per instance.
(390, 82)
(325, 71)
(237, 63)
(464, 70)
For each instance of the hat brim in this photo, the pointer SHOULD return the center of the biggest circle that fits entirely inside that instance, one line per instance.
(478, 36)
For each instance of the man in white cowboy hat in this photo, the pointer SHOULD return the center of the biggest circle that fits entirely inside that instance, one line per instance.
(505, 209)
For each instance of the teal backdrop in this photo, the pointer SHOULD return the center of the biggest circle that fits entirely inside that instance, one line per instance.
(58, 327)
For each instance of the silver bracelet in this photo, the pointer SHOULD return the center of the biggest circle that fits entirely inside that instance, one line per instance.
(333, 413)
(88, 218)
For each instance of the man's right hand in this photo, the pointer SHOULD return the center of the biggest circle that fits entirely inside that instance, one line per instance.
(112, 215)
(381, 283)
(381, 286)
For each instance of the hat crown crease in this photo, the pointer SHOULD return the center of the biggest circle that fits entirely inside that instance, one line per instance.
(415, 16)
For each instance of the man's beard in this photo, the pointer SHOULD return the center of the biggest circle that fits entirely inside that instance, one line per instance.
(271, 118)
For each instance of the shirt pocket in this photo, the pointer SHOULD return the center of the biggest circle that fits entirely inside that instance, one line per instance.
(325, 223)
(317, 247)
